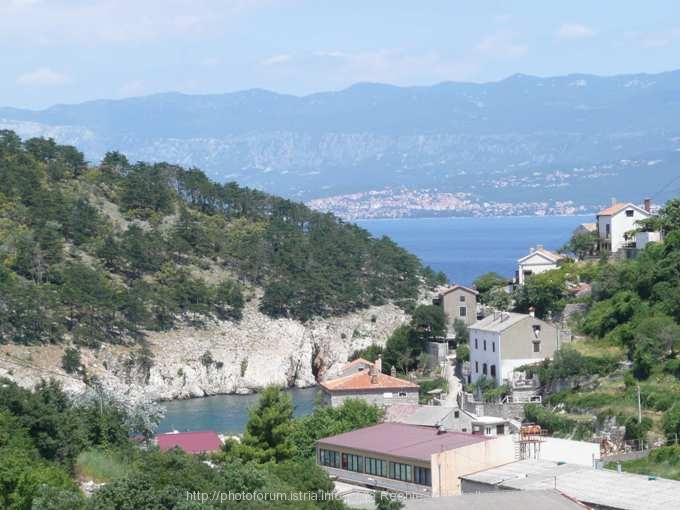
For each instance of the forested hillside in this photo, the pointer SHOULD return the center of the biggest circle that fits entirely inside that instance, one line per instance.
(103, 253)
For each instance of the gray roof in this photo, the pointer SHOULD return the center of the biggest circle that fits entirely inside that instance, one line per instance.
(429, 416)
(506, 500)
(498, 322)
(603, 487)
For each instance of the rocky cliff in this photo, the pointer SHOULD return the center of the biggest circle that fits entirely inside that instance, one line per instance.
(223, 357)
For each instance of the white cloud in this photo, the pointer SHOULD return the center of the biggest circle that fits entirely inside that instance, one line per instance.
(280, 58)
(117, 21)
(390, 66)
(654, 40)
(575, 31)
(502, 45)
(133, 88)
(42, 77)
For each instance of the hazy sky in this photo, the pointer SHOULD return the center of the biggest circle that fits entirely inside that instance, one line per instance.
(54, 51)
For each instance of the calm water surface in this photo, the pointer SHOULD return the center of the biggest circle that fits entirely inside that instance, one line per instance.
(463, 248)
(224, 413)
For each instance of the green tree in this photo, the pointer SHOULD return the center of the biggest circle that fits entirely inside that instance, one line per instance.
(656, 339)
(329, 421)
(545, 292)
(399, 350)
(670, 422)
(461, 331)
(487, 283)
(429, 322)
(267, 434)
(581, 243)
(70, 361)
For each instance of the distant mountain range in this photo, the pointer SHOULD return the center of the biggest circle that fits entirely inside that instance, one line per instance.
(577, 138)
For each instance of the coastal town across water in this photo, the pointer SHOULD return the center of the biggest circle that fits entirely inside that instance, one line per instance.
(450, 441)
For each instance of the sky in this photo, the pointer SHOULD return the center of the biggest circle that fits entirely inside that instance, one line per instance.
(69, 51)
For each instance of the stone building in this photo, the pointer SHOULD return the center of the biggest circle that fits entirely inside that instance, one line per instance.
(370, 385)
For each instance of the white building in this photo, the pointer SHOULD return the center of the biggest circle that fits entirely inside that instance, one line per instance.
(504, 341)
(539, 260)
(615, 221)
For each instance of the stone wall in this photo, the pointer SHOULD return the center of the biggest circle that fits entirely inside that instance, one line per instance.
(375, 397)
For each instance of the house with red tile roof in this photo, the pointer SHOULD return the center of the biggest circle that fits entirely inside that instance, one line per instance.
(354, 366)
(191, 442)
(614, 222)
(370, 385)
(410, 458)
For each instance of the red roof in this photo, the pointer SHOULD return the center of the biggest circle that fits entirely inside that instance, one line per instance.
(362, 381)
(190, 442)
(612, 210)
(400, 440)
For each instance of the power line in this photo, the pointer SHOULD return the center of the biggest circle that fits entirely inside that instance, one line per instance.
(24, 364)
(663, 188)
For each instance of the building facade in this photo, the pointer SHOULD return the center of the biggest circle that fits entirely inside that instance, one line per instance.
(539, 260)
(409, 458)
(504, 341)
(614, 222)
(458, 302)
(370, 385)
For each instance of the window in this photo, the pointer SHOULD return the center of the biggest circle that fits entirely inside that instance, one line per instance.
(537, 346)
(477, 366)
(493, 346)
(492, 370)
(456, 414)
(399, 471)
(485, 345)
(422, 475)
(462, 311)
(537, 330)
(484, 368)
(402, 394)
(352, 462)
(630, 213)
(607, 230)
(329, 458)
(375, 467)
(476, 345)
(462, 299)
(487, 431)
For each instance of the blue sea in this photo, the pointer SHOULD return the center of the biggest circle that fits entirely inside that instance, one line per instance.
(463, 248)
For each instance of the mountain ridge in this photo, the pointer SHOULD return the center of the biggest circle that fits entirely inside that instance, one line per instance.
(452, 135)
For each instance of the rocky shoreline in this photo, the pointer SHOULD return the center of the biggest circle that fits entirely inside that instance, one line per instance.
(221, 358)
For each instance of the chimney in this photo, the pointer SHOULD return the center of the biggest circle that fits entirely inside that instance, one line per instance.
(393, 371)
(648, 205)
(532, 311)
(539, 246)
(373, 373)
(613, 200)
(378, 365)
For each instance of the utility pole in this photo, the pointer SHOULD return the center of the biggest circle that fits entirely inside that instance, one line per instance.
(639, 405)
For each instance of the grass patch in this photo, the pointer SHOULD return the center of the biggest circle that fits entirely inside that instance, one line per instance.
(663, 462)
(102, 466)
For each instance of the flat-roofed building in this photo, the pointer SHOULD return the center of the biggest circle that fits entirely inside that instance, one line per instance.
(410, 458)
(597, 488)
